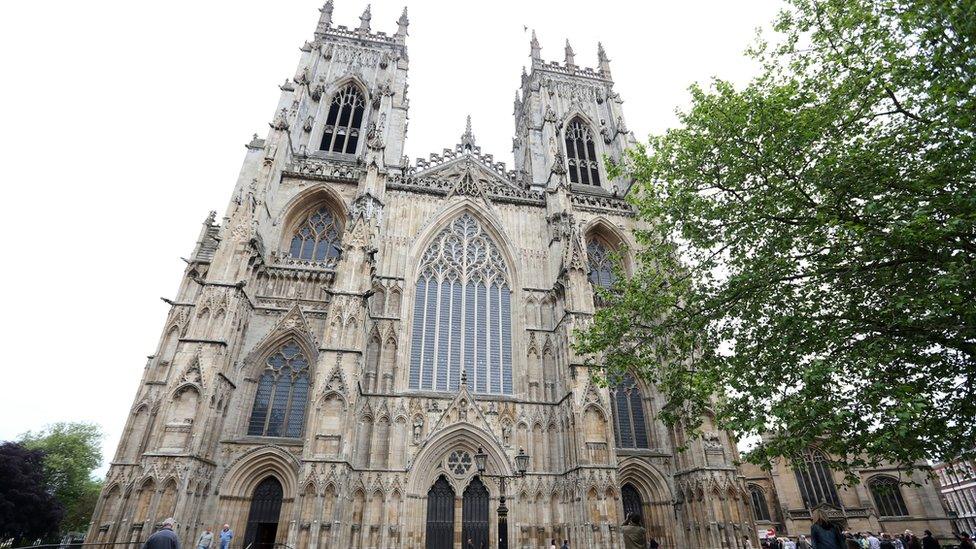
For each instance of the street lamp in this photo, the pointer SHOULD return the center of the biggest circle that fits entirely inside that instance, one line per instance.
(521, 465)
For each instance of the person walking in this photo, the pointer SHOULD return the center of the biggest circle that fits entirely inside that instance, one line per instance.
(825, 534)
(635, 537)
(965, 542)
(565, 544)
(886, 541)
(205, 540)
(803, 543)
(552, 543)
(929, 541)
(873, 541)
(165, 538)
(226, 534)
(912, 541)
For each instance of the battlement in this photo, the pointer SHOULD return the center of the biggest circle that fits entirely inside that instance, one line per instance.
(324, 29)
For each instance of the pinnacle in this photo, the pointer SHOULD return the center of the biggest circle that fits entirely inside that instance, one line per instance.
(467, 138)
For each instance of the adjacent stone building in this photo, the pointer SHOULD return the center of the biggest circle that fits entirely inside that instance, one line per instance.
(957, 484)
(885, 499)
(356, 327)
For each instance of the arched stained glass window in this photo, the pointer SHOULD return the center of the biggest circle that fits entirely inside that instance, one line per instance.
(581, 154)
(630, 427)
(887, 497)
(760, 509)
(317, 237)
(345, 121)
(815, 480)
(601, 264)
(282, 395)
(462, 313)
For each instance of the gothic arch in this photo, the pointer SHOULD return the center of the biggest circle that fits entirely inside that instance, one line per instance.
(601, 227)
(491, 224)
(299, 206)
(249, 469)
(276, 337)
(341, 83)
(424, 470)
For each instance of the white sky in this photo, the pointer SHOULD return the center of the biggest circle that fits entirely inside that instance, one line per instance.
(123, 123)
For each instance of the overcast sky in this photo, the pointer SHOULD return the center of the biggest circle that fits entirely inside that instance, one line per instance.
(123, 123)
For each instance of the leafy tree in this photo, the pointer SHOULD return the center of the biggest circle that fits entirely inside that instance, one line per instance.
(28, 509)
(810, 255)
(71, 452)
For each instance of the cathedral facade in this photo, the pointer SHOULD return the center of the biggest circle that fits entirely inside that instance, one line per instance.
(357, 329)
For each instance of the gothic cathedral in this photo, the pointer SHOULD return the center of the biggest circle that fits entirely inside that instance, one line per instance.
(362, 345)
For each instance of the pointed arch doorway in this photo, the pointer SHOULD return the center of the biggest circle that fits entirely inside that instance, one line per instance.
(262, 520)
(440, 515)
(474, 517)
(632, 502)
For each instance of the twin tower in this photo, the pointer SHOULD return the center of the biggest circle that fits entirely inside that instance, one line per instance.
(357, 330)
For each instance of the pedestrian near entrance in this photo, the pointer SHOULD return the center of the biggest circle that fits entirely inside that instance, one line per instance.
(565, 544)
(633, 533)
(825, 534)
(164, 538)
(205, 540)
(226, 534)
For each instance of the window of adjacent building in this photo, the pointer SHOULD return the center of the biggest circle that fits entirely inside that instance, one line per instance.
(628, 411)
(344, 122)
(760, 509)
(887, 496)
(317, 237)
(462, 313)
(581, 154)
(816, 481)
(282, 394)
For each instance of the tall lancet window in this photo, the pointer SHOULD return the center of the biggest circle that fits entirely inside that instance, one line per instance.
(317, 237)
(581, 154)
(282, 395)
(628, 407)
(601, 264)
(345, 120)
(815, 479)
(462, 313)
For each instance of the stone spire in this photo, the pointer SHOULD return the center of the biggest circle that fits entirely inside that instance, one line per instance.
(325, 19)
(402, 24)
(467, 138)
(535, 48)
(364, 19)
(570, 56)
(604, 61)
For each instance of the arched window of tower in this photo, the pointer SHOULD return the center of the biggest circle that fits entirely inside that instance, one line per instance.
(601, 263)
(630, 426)
(462, 313)
(345, 121)
(317, 237)
(581, 153)
(282, 394)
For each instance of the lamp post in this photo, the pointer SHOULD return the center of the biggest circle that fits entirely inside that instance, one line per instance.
(521, 465)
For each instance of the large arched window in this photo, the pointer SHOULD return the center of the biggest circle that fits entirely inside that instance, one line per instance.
(887, 496)
(760, 509)
(581, 154)
(815, 480)
(601, 263)
(628, 407)
(462, 313)
(282, 395)
(345, 121)
(316, 238)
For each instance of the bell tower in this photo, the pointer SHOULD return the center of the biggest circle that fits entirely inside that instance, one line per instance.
(568, 117)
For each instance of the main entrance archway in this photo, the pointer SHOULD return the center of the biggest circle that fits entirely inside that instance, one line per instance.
(262, 520)
(474, 516)
(440, 515)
